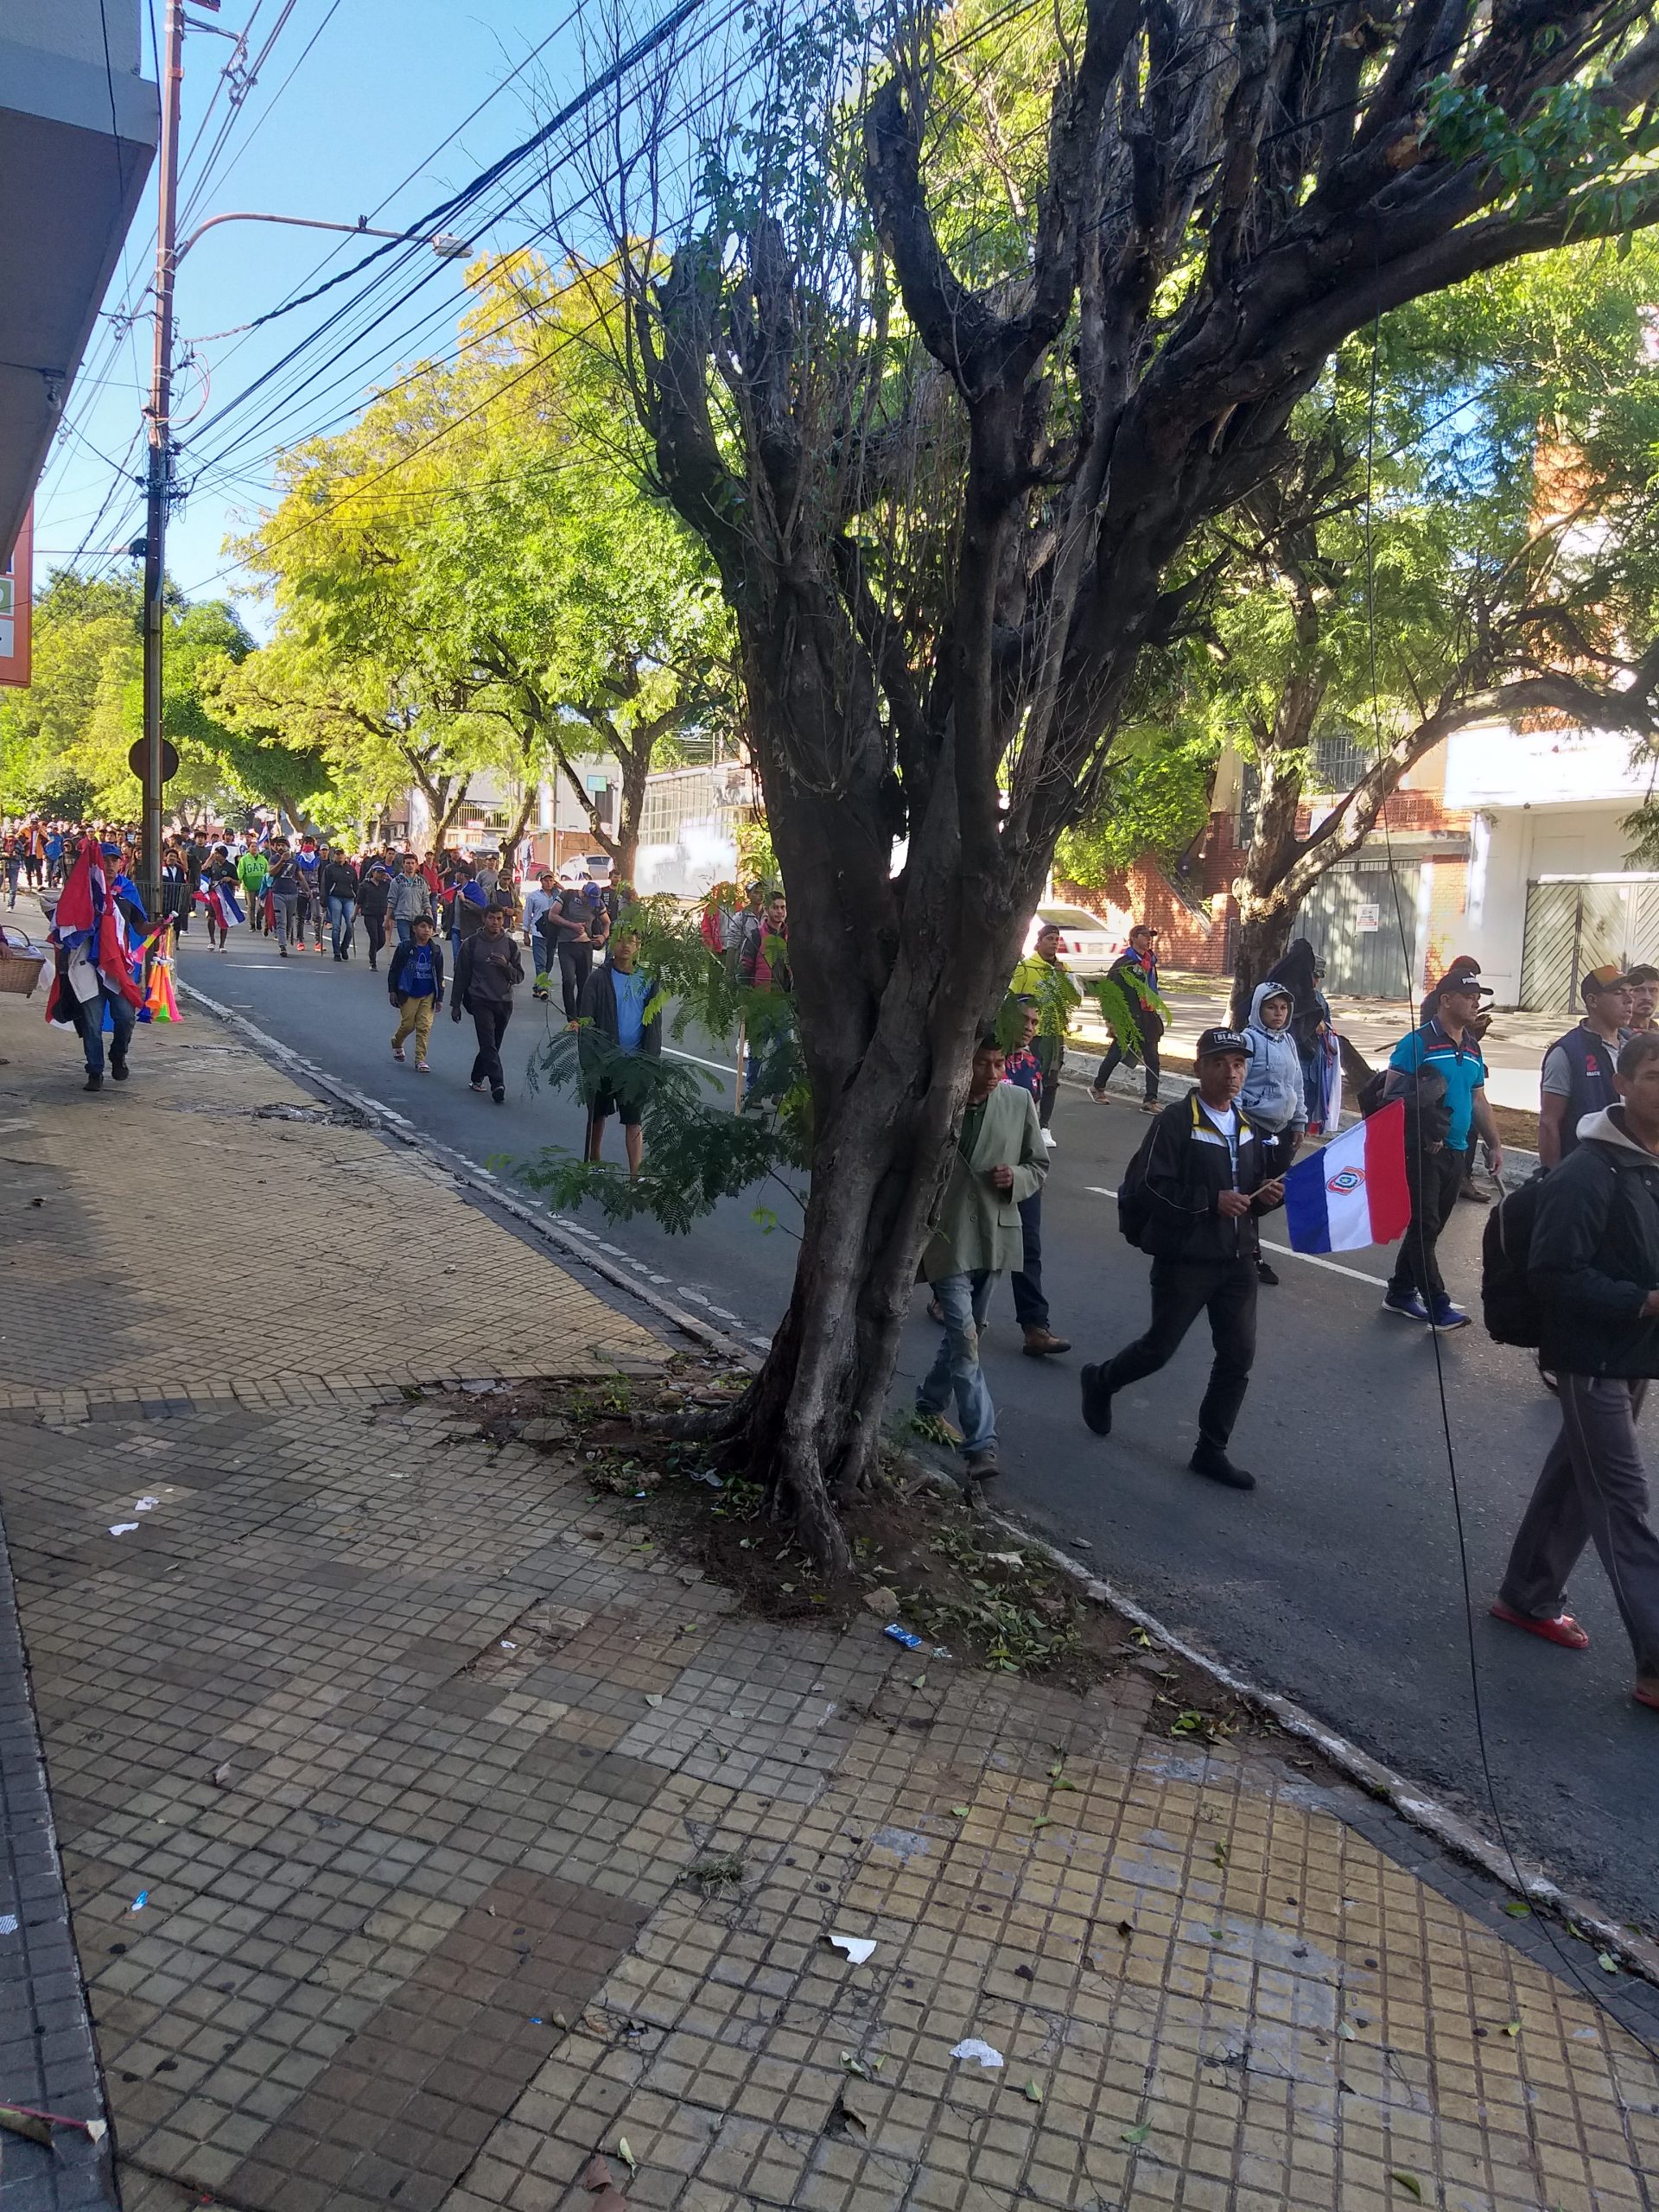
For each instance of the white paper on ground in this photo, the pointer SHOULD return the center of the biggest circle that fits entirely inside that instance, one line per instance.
(973, 2048)
(121, 1527)
(857, 1948)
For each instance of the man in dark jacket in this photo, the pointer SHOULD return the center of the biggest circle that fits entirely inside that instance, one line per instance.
(486, 973)
(1594, 1266)
(1204, 1182)
(1576, 1077)
(339, 890)
(373, 892)
(612, 1025)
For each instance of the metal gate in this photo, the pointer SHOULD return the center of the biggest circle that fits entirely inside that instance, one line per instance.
(1577, 923)
(1353, 921)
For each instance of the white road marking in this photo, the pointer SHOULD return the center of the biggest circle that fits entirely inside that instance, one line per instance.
(695, 1296)
(1317, 1260)
(1313, 1259)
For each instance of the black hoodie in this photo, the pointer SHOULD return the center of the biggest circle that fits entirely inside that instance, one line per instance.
(1595, 1255)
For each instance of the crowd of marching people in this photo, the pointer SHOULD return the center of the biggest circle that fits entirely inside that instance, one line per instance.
(1574, 1254)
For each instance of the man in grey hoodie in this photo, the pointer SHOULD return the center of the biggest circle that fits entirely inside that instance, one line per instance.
(1274, 1095)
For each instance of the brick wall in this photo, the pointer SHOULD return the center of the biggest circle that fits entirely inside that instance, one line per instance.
(1198, 941)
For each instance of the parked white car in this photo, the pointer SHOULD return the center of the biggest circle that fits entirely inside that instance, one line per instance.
(1087, 946)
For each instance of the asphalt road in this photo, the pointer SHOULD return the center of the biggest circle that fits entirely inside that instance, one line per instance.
(1337, 1581)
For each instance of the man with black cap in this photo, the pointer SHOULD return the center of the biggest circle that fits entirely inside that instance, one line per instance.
(1578, 1072)
(1191, 1198)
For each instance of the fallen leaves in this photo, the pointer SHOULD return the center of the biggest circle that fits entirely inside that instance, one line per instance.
(1409, 2181)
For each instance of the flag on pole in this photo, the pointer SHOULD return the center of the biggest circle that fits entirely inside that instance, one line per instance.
(1352, 1191)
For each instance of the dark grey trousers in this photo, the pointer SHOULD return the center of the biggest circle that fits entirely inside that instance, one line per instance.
(1593, 1490)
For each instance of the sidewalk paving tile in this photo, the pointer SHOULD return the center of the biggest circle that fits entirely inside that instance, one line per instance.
(435, 1901)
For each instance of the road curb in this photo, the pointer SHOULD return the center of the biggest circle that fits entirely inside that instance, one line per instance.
(480, 1182)
(1413, 1804)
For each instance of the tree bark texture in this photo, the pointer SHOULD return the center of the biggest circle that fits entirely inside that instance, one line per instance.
(947, 545)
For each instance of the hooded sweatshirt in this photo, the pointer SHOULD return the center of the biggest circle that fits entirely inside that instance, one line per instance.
(1595, 1254)
(1272, 1095)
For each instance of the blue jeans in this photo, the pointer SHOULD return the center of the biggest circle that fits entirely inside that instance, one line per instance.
(406, 931)
(89, 1019)
(963, 1300)
(341, 913)
(769, 1062)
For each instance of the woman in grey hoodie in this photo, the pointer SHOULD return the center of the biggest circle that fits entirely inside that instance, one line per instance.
(1273, 1097)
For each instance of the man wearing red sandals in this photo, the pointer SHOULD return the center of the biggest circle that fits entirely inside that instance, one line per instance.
(1594, 1266)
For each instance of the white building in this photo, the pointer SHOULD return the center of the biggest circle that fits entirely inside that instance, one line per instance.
(559, 829)
(688, 834)
(1549, 891)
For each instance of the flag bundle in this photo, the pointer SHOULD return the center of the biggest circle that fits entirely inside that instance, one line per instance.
(89, 928)
(1353, 1191)
(220, 901)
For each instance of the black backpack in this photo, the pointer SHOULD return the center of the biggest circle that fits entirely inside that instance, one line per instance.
(1134, 1207)
(1509, 1304)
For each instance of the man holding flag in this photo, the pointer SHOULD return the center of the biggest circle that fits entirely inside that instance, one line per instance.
(1445, 1047)
(97, 960)
(1191, 1198)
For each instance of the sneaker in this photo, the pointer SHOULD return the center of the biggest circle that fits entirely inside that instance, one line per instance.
(1051, 1142)
(1265, 1274)
(480, 1087)
(93, 1083)
(1152, 1105)
(1097, 1092)
(981, 1465)
(1405, 1304)
(1445, 1317)
(500, 1096)
(1097, 1402)
(397, 1052)
(1207, 1461)
(118, 1070)
(420, 1068)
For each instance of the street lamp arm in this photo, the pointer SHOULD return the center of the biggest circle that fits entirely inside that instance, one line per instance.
(451, 248)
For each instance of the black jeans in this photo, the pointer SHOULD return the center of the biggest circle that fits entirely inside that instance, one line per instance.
(374, 928)
(1433, 1180)
(1181, 1290)
(575, 965)
(1051, 1059)
(490, 1020)
(1030, 1306)
(1152, 1030)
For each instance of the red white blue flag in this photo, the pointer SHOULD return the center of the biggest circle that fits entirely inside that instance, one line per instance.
(1352, 1191)
(89, 927)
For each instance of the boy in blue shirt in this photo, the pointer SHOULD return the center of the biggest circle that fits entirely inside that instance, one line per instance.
(416, 984)
(612, 1023)
(1445, 1047)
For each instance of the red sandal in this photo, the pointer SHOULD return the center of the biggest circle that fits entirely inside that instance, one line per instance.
(1562, 1630)
(1647, 1692)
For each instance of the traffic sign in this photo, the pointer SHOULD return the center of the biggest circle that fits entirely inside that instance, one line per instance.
(170, 758)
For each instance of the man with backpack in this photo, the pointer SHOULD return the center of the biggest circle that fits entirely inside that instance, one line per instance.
(1593, 1272)
(1577, 1078)
(1439, 1073)
(1191, 1198)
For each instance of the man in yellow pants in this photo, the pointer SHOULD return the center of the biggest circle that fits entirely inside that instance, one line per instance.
(415, 984)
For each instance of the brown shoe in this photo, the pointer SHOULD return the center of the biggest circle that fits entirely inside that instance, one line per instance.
(1043, 1344)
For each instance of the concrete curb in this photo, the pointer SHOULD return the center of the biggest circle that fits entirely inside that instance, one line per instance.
(1527, 1881)
(480, 1182)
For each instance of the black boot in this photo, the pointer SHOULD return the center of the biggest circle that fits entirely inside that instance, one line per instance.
(118, 1069)
(1209, 1460)
(94, 1082)
(1097, 1402)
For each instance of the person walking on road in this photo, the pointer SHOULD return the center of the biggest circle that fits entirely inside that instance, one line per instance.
(1000, 1160)
(416, 986)
(763, 966)
(611, 1024)
(1302, 972)
(92, 924)
(251, 869)
(566, 925)
(373, 896)
(339, 890)
(1273, 1097)
(1445, 1049)
(539, 930)
(1136, 973)
(409, 896)
(1593, 1266)
(1192, 1198)
(281, 894)
(486, 975)
(1043, 975)
(1577, 1079)
(1025, 1070)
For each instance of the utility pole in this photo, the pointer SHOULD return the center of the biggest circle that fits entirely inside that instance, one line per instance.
(159, 479)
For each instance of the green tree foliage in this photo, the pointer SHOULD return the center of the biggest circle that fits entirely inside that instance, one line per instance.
(472, 576)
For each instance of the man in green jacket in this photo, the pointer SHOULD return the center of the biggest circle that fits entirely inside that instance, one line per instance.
(1000, 1160)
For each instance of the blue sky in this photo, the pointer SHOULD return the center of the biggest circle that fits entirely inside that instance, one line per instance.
(384, 82)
